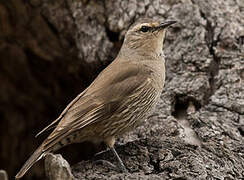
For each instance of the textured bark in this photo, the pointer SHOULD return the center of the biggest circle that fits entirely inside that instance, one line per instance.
(51, 50)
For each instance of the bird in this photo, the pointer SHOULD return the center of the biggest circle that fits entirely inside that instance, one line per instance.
(120, 98)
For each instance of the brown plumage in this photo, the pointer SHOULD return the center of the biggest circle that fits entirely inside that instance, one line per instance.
(118, 100)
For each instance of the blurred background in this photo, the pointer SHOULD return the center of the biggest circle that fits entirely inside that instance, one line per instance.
(51, 50)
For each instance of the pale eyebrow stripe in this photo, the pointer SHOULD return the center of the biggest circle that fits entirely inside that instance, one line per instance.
(140, 25)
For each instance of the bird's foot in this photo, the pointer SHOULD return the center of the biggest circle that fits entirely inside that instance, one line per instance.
(108, 164)
(104, 162)
(122, 168)
(121, 165)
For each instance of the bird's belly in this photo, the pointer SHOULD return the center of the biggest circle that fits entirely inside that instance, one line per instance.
(140, 115)
(131, 116)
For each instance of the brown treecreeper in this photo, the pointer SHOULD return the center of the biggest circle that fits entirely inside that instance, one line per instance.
(118, 100)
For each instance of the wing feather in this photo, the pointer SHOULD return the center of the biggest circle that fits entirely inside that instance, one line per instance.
(52, 125)
(100, 101)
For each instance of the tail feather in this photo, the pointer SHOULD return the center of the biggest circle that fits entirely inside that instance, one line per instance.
(36, 156)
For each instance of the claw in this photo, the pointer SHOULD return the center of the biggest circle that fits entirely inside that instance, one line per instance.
(121, 164)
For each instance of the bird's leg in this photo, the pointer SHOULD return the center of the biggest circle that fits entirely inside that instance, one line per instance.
(109, 141)
(121, 164)
(120, 167)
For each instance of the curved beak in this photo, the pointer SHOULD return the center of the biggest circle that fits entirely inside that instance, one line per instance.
(165, 25)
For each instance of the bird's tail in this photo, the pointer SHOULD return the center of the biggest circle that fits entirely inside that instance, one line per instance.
(36, 156)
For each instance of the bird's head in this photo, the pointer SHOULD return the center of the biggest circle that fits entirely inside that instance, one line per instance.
(146, 35)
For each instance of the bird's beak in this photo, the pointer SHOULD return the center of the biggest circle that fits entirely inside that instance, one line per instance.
(165, 25)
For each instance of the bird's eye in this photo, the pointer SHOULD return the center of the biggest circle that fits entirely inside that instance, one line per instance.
(144, 28)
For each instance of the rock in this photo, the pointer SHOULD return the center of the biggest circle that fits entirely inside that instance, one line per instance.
(57, 168)
(3, 175)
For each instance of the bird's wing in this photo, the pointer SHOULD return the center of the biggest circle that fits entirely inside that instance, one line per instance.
(101, 100)
(54, 123)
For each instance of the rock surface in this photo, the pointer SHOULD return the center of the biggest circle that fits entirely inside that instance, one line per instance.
(57, 168)
(197, 129)
(3, 175)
